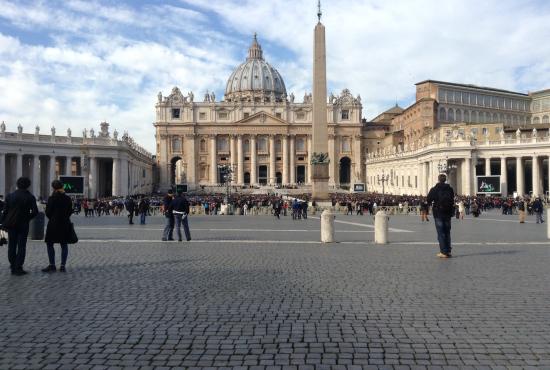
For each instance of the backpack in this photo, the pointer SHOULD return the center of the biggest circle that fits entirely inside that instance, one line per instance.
(445, 202)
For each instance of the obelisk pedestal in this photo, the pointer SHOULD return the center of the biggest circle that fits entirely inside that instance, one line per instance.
(320, 159)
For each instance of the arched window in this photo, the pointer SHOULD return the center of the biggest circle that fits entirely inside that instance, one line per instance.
(495, 118)
(262, 144)
(474, 117)
(545, 119)
(536, 121)
(442, 114)
(467, 116)
(451, 115)
(458, 115)
(203, 145)
(278, 146)
(246, 146)
(223, 144)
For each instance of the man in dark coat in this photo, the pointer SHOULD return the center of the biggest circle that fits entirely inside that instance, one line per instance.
(168, 232)
(59, 230)
(130, 207)
(538, 208)
(441, 197)
(180, 209)
(19, 209)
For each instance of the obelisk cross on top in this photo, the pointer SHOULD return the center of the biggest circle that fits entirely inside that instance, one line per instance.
(320, 160)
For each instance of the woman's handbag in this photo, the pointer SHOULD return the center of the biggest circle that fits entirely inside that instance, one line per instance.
(73, 238)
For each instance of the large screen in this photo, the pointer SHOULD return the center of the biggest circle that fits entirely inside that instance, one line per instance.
(488, 185)
(181, 188)
(358, 188)
(72, 184)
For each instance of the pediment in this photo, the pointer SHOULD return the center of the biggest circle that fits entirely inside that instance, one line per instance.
(262, 118)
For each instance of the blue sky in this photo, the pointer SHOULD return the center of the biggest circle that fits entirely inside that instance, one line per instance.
(74, 63)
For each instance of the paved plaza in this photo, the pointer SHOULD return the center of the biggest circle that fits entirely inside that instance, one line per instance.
(256, 292)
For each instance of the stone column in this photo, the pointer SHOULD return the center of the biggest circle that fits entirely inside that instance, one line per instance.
(240, 160)
(356, 167)
(213, 161)
(92, 175)
(520, 176)
(191, 161)
(503, 177)
(3, 174)
(309, 154)
(35, 175)
(420, 174)
(233, 157)
(116, 177)
(285, 159)
(19, 165)
(272, 157)
(467, 176)
(332, 158)
(292, 159)
(51, 167)
(536, 176)
(68, 166)
(253, 161)
(123, 177)
(487, 166)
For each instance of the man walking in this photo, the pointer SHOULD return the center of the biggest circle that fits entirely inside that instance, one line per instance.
(168, 233)
(180, 207)
(130, 207)
(538, 208)
(19, 209)
(441, 196)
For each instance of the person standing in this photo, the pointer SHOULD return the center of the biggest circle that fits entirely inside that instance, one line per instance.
(180, 207)
(168, 233)
(130, 207)
(521, 210)
(19, 209)
(59, 230)
(538, 208)
(441, 196)
(461, 209)
(424, 209)
(143, 208)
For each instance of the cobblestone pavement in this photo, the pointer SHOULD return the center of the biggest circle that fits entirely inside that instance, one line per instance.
(244, 294)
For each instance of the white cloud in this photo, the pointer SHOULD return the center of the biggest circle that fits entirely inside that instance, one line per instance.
(95, 61)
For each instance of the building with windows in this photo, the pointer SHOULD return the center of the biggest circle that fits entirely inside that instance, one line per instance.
(111, 166)
(258, 130)
(465, 131)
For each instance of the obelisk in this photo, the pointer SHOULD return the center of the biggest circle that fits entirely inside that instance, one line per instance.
(319, 160)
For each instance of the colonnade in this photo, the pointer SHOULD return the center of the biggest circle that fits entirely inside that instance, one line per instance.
(283, 160)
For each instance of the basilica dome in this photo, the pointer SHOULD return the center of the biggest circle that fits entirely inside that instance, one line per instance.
(255, 79)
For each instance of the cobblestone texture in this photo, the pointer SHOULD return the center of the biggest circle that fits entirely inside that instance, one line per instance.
(278, 306)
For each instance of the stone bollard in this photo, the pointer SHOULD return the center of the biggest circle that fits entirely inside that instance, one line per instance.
(381, 228)
(327, 226)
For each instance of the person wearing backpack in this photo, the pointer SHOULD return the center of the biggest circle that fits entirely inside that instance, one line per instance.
(441, 197)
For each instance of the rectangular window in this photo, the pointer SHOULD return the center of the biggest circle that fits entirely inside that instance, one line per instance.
(300, 116)
(246, 115)
(416, 182)
(278, 115)
(175, 113)
(222, 115)
(202, 115)
(345, 114)
(484, 131)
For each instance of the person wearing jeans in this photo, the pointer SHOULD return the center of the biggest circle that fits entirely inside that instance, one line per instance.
(168, 232)
(19, 208)
(441, 196)
(180, 207)
(58, 210)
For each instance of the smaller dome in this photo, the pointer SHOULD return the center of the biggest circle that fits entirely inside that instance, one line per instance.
(255, 78)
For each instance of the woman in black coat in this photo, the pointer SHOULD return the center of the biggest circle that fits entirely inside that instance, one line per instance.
(59, 229)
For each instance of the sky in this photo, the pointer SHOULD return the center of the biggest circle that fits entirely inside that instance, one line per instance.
(75, 63)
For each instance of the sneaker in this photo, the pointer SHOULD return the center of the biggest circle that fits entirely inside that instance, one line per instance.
(50, 268)
(442, 255)
(62, 269)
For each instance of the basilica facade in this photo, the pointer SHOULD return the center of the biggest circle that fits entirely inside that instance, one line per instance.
(258, 130)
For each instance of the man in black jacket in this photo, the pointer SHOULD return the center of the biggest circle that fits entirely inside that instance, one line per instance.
(180, 208)
(167, 234)
(19, 209)
(130, 207)
(441, 197)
